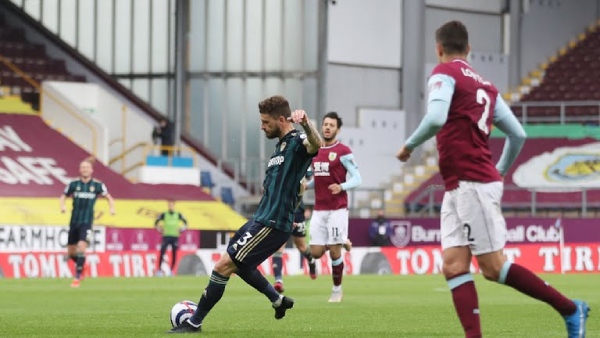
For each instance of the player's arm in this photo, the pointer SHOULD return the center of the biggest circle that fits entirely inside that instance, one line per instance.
(313, 140)
(109, 198)
(441, 89)
(185, 223)
(63, 197)
(352, 169)
(158, 220)
(505, 120)
(310, 179)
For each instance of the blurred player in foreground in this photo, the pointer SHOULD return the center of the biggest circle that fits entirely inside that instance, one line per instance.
(461, 109)
(329, 222)
(271, 225)
(169, 225)
(84, 190)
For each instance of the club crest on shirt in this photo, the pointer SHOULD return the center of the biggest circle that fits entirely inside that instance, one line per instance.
(78, 188)
(92, 188)
(434, 86)
(332, 156)
(282, 146)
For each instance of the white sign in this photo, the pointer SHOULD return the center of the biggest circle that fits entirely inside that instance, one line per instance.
(564, 169)
(40, 238)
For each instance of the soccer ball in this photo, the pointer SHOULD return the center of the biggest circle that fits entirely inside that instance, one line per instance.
(182, 311)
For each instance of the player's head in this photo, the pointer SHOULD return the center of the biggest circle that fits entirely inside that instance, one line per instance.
(171, 205)
(86, 168)
(452, 39)
(274, 114)
(163, 122)
(332, 123)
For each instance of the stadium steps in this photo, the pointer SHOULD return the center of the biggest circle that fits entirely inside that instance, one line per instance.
(401, 185)
(536, 76)
(14, 104)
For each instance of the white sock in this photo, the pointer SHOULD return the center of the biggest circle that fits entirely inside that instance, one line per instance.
(278, 301)
(337, 288)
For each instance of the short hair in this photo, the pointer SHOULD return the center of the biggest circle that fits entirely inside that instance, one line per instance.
(275, 106)
(335, 116)
(454, 37)
(91, 160)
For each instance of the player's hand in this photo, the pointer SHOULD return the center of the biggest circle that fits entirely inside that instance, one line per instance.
(404, 154)
(335, 188)
(299, 116)
(112, 211)
(63, 210)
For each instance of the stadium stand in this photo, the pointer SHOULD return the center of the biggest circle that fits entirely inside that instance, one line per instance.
(39, 158)
(517, 199)
(573, 75)
(30, 58)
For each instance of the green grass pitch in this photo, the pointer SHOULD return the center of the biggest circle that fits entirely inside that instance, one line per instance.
(373, 306)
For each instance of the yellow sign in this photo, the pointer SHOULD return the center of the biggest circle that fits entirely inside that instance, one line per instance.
(205, 215)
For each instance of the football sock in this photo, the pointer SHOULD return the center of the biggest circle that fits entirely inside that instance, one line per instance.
(174, 259)
(211, 295)
(308, 255)
(464, 297)
(530, 284)
(255, 279)
(79, 262)
(277, 261)
(337, 271)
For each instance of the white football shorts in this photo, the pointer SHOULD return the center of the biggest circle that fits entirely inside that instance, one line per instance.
(471, 216)
(328, 227)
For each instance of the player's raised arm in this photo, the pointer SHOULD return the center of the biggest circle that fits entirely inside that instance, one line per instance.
(441, 89)
(313, 139)
(505, 120)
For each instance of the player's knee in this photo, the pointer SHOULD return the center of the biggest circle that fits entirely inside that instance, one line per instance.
(335, 251)
(317, 251)
(453, 269)
(491, 275)
(300, 245)
(225, 266)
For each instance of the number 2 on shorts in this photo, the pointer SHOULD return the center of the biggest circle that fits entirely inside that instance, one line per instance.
(468, 233)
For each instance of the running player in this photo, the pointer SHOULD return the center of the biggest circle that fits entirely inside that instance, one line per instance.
(84, 190)
(329, 222)
(271, 225)
(461, 109)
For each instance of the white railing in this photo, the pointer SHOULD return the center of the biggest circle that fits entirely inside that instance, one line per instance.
(425, 202)
(557, 112)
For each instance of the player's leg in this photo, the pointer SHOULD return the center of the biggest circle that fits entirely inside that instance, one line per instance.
(213, 292)
(253, 247)
(299, 236)
(85, 232)
(495, 267)
(277, 265)
(338, 234)
(210, 296)
(72, 240)
(456, 266)
(174, 249)
(161, 255)
(319, 234)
